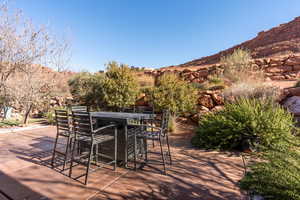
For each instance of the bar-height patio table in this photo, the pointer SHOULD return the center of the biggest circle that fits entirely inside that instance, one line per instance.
(124, 120)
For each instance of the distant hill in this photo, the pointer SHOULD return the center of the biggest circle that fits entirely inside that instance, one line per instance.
(279, 41)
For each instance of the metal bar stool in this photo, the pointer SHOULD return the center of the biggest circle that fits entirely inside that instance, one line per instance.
(76, 108)
(63, 130)
(90, 138)
(157, 134)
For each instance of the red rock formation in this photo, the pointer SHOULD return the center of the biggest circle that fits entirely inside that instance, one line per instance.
(281, 40)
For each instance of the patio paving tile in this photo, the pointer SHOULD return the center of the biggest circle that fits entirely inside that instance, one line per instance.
(192, 176)
(195, 174)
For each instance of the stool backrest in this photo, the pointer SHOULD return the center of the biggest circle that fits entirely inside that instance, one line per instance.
(145, 109)
(82, 123)
(62, 120)
(165, 121)
(79, 108)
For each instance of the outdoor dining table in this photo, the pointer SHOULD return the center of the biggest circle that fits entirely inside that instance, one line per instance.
(125, 142)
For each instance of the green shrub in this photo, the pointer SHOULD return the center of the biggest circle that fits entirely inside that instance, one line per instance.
(11, 122)
(87, 88)
(246, 122)
(276, 176)
(50, 117)
(120, 86)
(174, 94)
(50, 114)
(215, 80)
(172, 126)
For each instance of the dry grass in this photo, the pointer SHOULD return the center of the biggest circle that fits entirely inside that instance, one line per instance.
(251, 89)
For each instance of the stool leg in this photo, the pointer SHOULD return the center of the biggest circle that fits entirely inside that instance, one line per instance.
(72, 155)
(66, 153)
(89, 162)
(116, 149)
(162, 154)
(167, 137)
(134, 146)
(54, 151)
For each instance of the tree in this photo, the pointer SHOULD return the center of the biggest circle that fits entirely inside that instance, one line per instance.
(23, 49)
(87, 88)
(120, 86)
(174, 94)
(28, 88)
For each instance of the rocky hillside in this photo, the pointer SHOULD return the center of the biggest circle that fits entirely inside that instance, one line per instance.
(279, 41)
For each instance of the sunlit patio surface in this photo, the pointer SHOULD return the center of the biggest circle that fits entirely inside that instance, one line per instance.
(25, 173)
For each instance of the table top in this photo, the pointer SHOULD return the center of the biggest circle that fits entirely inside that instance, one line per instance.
(122, 115)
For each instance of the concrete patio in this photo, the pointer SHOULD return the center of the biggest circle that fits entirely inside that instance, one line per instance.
(195, 174)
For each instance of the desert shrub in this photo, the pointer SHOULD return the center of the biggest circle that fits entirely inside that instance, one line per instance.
(49, 116)
(276, 175)
(87, 88)
(172, 126)
(120, 86)
(174, 94)
(9, 122)
(238, 67)
(251, 90)
(216, 80)
(247, 122)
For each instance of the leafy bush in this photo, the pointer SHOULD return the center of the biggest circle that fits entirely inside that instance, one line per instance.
(6, 123)
(174, 94)
(172, 126)
(50, 114)
(276, 176)
(120, 86)
(251, 90)
(246, 122)
(87, 88)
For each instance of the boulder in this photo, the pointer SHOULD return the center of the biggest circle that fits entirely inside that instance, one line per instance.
(217, 108)
(279, 69)
(296, 68)
(278, 77)
(203, 73)
(292, 104)
(206, 100)
(218, 99)
(293, 61)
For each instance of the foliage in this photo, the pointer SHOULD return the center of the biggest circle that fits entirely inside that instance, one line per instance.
(238, 67)
(215, 80)
(246, 122)
(174, 94)
(6, 123)
(50, 114)
(120, 86)
(87, 88)
(24, 48)
(172, 126)
(277, 175)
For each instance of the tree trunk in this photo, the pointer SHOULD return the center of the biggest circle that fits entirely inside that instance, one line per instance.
(27, 114)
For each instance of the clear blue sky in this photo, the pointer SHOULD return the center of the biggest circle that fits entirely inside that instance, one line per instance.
(155, 33)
